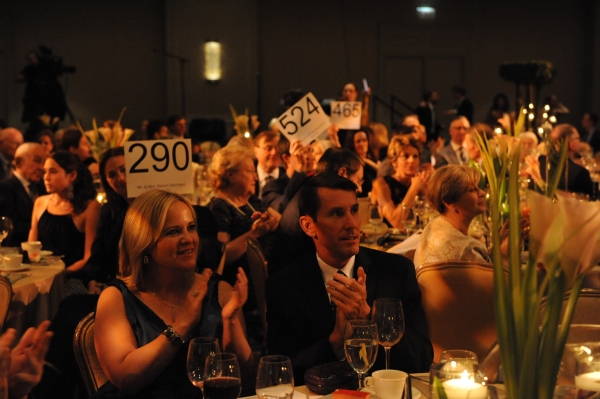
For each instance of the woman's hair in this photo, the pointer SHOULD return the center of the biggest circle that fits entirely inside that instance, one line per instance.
(70, 138)
(225, 160)
(449, 183)
(114, 200)
(399, 143)
(83, 186)
(370, 138)
(142, 227)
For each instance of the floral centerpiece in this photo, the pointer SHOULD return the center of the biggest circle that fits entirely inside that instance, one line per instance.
(110, 135)
(562, 246)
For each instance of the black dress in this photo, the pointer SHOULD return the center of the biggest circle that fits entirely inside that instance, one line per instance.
(398, 191)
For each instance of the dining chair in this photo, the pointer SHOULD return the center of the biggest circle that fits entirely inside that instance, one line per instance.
(85, 354)
(6, 294)
(458, 298)
(257, 264)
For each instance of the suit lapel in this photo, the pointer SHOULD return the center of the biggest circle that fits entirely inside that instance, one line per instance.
(316, 298)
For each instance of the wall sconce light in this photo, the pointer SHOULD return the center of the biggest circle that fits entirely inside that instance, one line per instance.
(212, 60)
(426, 12)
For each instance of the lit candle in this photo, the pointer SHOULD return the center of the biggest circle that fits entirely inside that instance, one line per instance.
(464, 388)
(588, 381)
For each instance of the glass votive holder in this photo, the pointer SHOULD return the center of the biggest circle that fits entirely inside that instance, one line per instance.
(458, 379)
(587, 373)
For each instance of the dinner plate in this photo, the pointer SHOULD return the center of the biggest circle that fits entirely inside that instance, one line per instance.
(19, 269)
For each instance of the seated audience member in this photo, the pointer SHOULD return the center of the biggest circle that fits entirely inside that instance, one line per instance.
(395, 195)
(23, 364)
(575, 178)
(10, 140)
(145, 320)
(157, 130)
(47, 140)
(361, 142)
(339, 161)
(299, 297)
(382, 139)
(318, 149)
(472, 148)
(66, 219)
(499, 114)
(62, 379)
(454, 153)
(299, 162)
(240, 216)
(453, 191)
(267, 160)
(76, 142)
(18, 192)
(177, 126)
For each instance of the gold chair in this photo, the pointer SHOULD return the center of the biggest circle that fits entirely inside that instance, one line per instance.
(85, 354)
(257, 265)
(6, 294)
(587, 310)
(458, 298)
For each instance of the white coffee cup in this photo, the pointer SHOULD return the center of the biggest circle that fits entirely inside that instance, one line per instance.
(388, 384)
(33, 249)
(12, 261)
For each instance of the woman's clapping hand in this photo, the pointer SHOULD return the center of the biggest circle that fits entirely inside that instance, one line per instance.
(239, 295)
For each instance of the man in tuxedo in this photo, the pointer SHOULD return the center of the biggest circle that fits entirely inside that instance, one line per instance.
(268, 161)
(454, 153)
(18, 192)
(10, 140)
(589, 133)
(309, 302)
(427, 115)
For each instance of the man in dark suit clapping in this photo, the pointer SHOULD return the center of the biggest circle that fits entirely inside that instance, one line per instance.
(303, 323)
(18, 192)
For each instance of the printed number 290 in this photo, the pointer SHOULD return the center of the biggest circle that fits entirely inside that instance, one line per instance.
(159, 153)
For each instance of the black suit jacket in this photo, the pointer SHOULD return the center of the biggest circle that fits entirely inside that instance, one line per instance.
(300, 318)
(18, 206)
(257, 185)
(595, 140)
(465, 108)
(577, 178)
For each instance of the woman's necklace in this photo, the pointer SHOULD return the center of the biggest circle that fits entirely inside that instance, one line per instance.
(172, 307)
(236, 207)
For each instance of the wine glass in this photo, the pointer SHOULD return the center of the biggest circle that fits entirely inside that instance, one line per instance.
(222, 378)
(360, 345)
(199, 349)
(374, 216)
(389, 317)
(410, 221)
(275, 378)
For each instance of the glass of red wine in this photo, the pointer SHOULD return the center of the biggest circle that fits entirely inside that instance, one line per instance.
(222, 378)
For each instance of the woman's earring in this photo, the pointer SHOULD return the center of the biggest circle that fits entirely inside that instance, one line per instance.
(70, 194)
(146, 260)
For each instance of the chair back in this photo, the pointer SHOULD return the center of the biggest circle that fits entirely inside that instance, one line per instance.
(6, 294)
(257, 264)
(587, 310)
(458, 298)
(85, 354)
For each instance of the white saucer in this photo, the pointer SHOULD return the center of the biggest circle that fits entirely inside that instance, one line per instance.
(19, 269)
(416, 394)
(45, 253)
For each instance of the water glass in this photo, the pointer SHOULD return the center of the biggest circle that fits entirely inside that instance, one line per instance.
(360, 345)
(275, 378)
(587, 374)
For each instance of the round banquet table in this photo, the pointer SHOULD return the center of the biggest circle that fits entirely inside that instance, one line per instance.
(36, 296)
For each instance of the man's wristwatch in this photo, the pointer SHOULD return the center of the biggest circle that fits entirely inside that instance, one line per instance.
(172, 336)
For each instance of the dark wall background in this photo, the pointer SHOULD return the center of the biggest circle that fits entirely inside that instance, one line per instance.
(271, 46)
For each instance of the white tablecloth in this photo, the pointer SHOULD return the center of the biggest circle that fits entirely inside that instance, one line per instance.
(36, 297)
